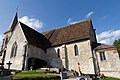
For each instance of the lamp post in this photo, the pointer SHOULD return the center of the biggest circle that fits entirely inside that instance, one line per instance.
(9, 64)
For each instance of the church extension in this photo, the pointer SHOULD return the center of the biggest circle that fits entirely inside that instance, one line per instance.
(73, 47)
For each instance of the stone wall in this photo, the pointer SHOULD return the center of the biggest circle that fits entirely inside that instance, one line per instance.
(110, 66)
(53, 58)
(68, 58)
(20, 39)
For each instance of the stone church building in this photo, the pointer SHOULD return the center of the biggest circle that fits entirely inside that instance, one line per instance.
(73, 47)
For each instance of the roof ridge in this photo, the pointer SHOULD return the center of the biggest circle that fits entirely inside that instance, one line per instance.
(89, 20)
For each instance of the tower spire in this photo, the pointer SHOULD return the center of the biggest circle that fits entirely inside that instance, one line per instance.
(14, 22)
(17, 9)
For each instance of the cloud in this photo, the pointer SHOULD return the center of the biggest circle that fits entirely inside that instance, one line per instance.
(69, 21)
(104, 17)
(31, 22)
(1, 39)
(89, 14)
(74, 22)
(108, 37)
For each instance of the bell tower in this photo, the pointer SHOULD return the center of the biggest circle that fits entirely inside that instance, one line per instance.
(9, 32)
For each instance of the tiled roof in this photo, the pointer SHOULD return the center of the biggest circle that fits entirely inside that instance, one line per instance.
(100, 46)
(35, 38)
(73, 32)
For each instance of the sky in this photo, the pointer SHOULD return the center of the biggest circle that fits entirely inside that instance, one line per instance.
(43, 15)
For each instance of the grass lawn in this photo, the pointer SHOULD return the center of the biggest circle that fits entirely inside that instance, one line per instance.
(110, 78)
(33, 74)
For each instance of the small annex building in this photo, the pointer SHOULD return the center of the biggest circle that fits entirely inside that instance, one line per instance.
(73, 47)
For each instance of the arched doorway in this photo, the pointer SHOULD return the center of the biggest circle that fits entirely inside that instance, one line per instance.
(36, 63)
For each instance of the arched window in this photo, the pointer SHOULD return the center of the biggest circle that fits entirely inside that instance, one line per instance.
(14, 50)
(76, 50)
(58, 52)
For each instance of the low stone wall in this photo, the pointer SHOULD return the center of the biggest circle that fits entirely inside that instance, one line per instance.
(51, 69)
(115, 74)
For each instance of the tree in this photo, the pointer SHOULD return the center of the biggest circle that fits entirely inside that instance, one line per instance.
(117, 44)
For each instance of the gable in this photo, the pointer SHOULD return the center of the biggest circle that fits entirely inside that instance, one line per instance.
(17, 35)
(35, 38)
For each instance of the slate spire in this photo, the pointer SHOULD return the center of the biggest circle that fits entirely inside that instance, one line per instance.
(14, 22)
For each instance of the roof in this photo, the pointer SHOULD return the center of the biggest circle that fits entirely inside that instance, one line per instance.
(100, 46)
(73, 32)
(35, 38)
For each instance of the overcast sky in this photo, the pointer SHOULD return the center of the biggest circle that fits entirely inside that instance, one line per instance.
(44, 15)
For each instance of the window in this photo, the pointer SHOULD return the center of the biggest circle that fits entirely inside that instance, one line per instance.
(102, 56)
(76, 50)
(14, 50)
(58, 52)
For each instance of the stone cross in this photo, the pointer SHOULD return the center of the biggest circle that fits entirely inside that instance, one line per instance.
(9, 64)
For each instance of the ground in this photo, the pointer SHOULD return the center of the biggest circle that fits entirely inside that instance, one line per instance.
(34, 74)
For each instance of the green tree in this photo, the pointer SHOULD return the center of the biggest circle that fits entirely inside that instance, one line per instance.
(117, 44)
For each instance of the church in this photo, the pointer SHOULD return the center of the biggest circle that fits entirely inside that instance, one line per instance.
(72, 47)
